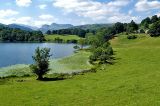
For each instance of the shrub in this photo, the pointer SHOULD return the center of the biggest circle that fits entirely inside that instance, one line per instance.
(76, 47)
(102, 54)
(72, 41)
(58, 40)
(131, 37)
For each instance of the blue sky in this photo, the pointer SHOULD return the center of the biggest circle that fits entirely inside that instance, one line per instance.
(76, 12)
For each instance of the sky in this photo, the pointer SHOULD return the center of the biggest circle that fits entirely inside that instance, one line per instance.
(76, 12)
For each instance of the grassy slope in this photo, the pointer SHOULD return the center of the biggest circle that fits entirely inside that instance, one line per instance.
(65, 37)
(75, 63)
(132, 81)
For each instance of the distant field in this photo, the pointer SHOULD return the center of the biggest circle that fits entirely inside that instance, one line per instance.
(51, 38)
(133, 80)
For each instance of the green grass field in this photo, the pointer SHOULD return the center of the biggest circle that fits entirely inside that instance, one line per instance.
(51, 38)
(133, 80)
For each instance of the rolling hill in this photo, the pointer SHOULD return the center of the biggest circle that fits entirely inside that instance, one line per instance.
(22, 27)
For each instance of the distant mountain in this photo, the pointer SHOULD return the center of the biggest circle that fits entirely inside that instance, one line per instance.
(31, 27)
(93, 26)
(54, 26)
(22, 27)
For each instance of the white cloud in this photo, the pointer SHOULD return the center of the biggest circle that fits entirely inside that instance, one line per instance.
(123, 18)
(119, 3)
(145, 5)
(158, 14)
(37, 21)
(24, 20)
(92, 9)
(23, 3)
(42, 6)
(46, 17)
(8, 12)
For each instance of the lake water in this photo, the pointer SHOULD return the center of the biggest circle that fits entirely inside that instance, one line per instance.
(21, 53)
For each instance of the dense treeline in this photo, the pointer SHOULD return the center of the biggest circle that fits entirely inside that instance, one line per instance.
(151, 25)
(74, 31)
(109, 32)
(16, 35)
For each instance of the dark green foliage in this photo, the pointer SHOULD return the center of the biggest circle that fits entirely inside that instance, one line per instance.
(145, 23)
(76, 47)
(74, 31)
(72, 41)
(132, 27)
(119, 27)
(16, 35)
(141, 31)
(154, 19)
(41, 59)
(102, 54)
(155, 29)
(131, 37)
(58, 40)
(100, 47)
(48, 32)
(82, 42)
(150, 24)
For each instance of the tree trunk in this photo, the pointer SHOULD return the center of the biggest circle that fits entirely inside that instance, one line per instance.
(39, 77)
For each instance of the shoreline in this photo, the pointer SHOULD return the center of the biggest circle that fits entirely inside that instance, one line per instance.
(73, 63)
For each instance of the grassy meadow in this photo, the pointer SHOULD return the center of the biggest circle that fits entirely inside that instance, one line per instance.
(133, 80)
(51, 38)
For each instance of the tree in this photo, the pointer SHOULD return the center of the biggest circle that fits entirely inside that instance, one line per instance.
(145, 23)
(155, 29)
(48, 32)
(102, 54)
(41, 59)
(100, 47)
(154, 19)
(119, 27)
(132, 26)
(82, 42)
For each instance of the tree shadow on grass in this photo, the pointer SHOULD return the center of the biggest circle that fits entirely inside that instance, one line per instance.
(52, 79)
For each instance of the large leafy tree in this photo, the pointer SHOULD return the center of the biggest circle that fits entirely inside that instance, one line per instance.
(41, 62)
(154, 18)
(155, 29)
(119, 27)
(132, 26)
(145, 23)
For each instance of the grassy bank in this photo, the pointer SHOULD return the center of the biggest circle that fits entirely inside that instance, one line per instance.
(64, 38)
(133, 80)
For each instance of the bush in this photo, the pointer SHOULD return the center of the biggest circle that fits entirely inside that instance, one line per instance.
(102, 54)
(76, 47)
(131, 37)
(154, 30)
(58, 40)
(141, 31)
(72, 41)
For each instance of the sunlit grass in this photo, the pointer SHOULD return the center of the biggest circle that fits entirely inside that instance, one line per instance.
(51, 38)
(15, 70)
(133, 80)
